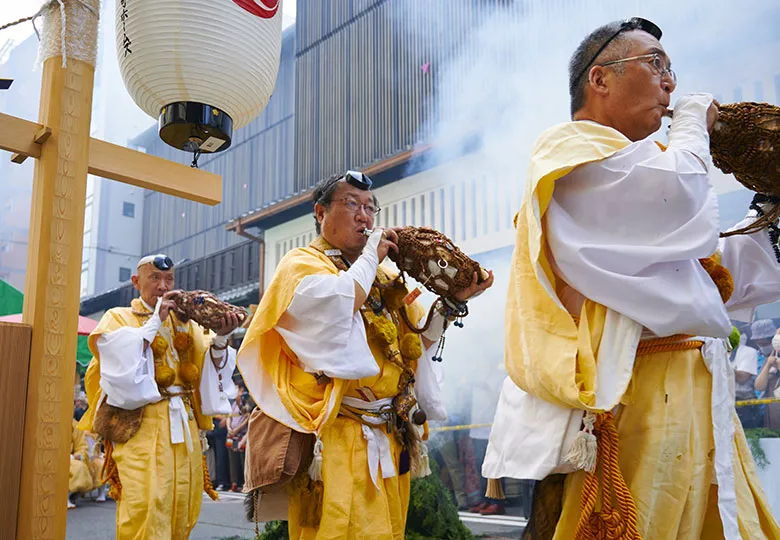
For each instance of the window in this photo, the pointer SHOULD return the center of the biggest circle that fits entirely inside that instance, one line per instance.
(128, 209)
(124, 274)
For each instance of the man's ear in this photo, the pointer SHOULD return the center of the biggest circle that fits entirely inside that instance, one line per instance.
(597, 80)
(319, 212)
(136, 282)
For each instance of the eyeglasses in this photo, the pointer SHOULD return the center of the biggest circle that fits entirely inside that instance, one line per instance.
(163, 262)
(353, 206)
(656, 60)
(634, 23)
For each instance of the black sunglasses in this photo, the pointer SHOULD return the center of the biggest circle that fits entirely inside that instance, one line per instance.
(634, 23)
(163, 262)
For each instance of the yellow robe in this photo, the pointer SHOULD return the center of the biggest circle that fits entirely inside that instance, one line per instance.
(664, 424)
(162, 483)
(353, 508)
(80, 480)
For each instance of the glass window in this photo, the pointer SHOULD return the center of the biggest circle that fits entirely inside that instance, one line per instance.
(128, 209)
(124, 274)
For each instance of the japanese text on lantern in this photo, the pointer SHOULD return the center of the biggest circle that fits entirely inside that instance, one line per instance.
(125, 40)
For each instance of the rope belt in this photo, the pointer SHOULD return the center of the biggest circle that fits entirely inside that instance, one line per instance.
(378, 421)
(677, 342)
(179, 413)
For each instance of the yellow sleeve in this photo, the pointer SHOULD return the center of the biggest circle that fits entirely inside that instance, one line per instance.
(264, 354)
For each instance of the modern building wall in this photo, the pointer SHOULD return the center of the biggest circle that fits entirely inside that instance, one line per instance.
(16, 180)
(460, 91)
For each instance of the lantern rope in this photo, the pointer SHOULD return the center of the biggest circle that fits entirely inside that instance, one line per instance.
(78, 49)
(78, 24)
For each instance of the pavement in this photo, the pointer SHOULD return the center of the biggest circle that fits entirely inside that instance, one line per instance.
(225, 519)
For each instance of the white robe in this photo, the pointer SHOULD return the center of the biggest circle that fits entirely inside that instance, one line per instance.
(626, 232)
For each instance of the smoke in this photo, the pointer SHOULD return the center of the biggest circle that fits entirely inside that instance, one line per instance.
(501, 79)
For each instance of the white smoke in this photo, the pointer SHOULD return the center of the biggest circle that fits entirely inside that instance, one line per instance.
(504, 80)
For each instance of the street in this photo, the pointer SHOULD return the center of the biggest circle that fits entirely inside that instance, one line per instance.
(225, 519)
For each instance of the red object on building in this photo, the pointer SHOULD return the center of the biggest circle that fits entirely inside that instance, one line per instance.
(265, 9)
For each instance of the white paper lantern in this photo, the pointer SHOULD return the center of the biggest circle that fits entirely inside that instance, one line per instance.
(203, 67)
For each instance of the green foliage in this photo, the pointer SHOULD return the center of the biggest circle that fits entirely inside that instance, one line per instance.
(274, 530)
(432, 513)
(734, 337)
(753, 435)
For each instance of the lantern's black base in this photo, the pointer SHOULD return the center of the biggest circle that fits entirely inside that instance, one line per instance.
(195, 127)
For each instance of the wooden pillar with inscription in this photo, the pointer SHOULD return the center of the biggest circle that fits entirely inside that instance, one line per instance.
(65, 153)
(54, 266)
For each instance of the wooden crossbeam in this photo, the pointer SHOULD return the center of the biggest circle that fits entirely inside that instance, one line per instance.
(24, 138)
(151, 172)
(18, 136)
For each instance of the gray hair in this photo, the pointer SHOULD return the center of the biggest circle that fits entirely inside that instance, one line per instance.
(582, 59)
(323, 194)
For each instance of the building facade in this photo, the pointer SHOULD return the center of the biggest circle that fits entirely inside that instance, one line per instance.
(440, 102)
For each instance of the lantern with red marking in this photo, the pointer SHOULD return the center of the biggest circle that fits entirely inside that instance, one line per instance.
(202, 67)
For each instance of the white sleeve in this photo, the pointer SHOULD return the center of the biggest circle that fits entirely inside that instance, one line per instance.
(324, 332)
(746, 360)
(751, 261)
(428, 381)
(126, 370)
(627, 231)
(213, 400)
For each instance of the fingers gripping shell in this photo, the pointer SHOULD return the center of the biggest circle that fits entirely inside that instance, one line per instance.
(204, 308)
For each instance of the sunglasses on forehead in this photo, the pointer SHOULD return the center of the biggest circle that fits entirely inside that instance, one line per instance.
(634, 23)
(359, 180)
(163, 262)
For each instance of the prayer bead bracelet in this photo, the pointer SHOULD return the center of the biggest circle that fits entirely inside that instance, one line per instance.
(772, 229)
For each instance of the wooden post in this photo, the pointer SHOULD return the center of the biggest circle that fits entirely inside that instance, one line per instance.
(64, 151)
(51, 303)
(13, 390)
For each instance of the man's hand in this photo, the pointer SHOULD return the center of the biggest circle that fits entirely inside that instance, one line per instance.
(712, 115)
(475, 288)
(167, 304)
(229, 323)
(388, 243)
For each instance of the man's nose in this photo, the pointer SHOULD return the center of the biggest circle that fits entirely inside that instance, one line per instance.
(668, 85)
(361, 214)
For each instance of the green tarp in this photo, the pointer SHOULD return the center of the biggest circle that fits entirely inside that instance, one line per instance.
(11, 303)
(83, 356)
(11, 299)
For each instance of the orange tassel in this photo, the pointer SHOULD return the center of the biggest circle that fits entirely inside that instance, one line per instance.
(614, 523)
(495, 490)
(311, 504)
(110, 472)
(207, 485)
(720, 275)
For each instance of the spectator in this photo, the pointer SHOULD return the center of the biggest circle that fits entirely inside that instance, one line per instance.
(80, 406)
(745, 371)
(768, 382)
(761, 334)
(221, 461)
(237, 429)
